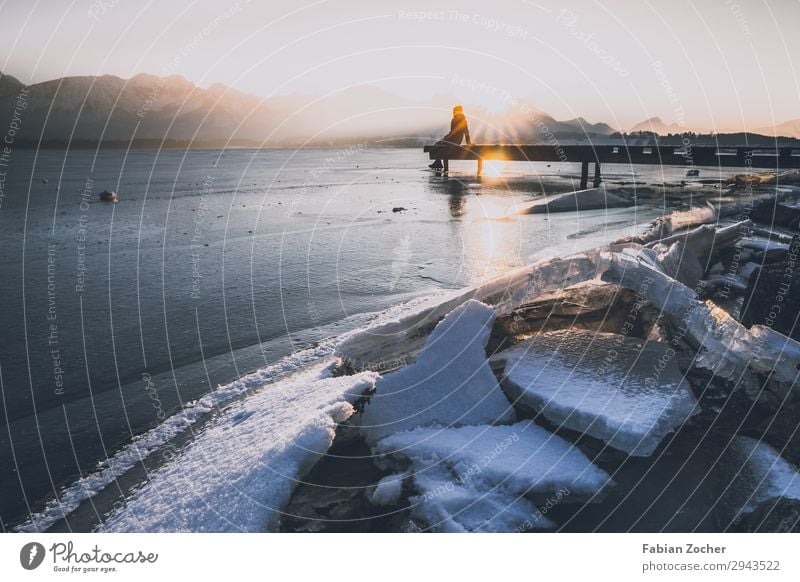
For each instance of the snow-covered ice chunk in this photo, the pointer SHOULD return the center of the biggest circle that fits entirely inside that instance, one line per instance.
(727, 348)
(762, 244)
(523, 458)
(763, 473)
(487, 478)
(239, 472)
(389, 489)
(448, 506)
(626, 392)
(450, 383)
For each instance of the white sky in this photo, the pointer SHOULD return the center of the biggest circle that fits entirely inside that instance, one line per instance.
(725, 64)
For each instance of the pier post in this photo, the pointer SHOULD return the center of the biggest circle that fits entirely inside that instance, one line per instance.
(480, 167)
(584, 175)
(596, 182)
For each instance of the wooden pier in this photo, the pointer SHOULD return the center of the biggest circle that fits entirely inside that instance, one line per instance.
(772, 158)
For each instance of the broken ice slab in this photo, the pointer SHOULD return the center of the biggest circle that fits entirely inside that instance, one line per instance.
(450, 384)
(696, 216)
(674, 222)
(763, 244)
(770, 474)
(383, 346)
(772, 234)
(484, 478)
(759, 474)
(705, 239)
(748, 269)
(728, 283)
(626, 392)
(724, 346)
(679, 263)
(445, 505)
(389, 489)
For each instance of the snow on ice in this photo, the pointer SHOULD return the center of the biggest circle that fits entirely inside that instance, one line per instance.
(239, 472)
(763, 474)
(626, 392)
(145, 444)
(487, 478)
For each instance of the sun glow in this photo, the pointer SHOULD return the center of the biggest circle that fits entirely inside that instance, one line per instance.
(490, 238)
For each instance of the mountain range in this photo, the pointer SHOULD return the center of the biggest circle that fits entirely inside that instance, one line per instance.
(161, 109)
(656, 125)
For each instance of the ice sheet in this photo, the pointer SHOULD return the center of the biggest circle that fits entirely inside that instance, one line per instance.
(449, 384)
(626, 392)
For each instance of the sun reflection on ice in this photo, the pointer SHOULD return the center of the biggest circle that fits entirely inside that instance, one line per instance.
(493, 168)
(491, 240)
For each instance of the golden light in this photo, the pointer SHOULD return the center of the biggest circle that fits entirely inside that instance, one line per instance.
(490, 238)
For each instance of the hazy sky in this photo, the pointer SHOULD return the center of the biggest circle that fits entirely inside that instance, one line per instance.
(711, 63)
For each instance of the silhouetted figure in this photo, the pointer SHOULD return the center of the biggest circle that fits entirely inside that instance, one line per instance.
(458, 131)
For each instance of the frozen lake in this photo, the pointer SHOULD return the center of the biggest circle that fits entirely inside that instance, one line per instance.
(215, 264)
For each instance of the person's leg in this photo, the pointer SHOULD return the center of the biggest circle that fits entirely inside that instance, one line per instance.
(437, 164)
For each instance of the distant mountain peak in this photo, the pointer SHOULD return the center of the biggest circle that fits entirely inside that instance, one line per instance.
(6, 78)
(144, 78)
(9, 85)
(656, 125)
(178, 79)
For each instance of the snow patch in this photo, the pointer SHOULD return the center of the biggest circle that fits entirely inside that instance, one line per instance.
(143, 445)
(239, 472)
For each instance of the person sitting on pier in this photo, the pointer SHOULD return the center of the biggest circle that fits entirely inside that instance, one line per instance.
(458, 131)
